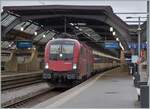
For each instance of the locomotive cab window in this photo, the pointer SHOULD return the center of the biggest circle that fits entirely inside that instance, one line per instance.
(54, 51)
(67, 51)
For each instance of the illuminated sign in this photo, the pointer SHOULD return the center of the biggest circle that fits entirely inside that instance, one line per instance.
(111, 44)
(24, 44)
(135, 45)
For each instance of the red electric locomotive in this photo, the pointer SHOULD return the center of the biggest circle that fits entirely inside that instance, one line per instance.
(67, 61)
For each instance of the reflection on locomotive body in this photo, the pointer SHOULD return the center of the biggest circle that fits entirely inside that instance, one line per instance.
(69, 61)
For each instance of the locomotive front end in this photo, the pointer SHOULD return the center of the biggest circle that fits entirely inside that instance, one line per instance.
(61, 61)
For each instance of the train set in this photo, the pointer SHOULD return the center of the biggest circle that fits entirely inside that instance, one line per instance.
(68, 61)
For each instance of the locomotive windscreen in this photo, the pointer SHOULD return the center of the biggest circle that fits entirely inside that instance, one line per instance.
(61, 51)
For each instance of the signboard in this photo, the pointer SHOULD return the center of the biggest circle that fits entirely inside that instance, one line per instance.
(111, 44)
(135, 45)
(24, 44)
(134, 58)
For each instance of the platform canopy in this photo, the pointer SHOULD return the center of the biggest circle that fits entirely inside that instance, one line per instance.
(42, 23)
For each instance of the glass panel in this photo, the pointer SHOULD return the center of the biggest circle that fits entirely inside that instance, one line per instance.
(54, 49)
(18, 27)
(67, 49)
(9, 19)
(48, 37)
(63, 52)
(31, 29)
(44, 40)
(39, 36)
(5, 44)
(4, 15)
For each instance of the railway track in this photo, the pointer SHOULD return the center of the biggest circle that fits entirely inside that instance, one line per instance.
(18, 80)
(32, 99)
(29, 103)
(15, 96)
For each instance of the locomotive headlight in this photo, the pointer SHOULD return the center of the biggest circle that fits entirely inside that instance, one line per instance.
(60, 55)
(46, 66)
(74, 66)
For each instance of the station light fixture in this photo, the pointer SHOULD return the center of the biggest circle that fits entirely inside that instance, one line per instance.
(53, 38)
(111, 29)
(29, 48)
(21, 28)
(87, 34)
(9, 45)
(35, 33)
(80, 29)
(82, 24)
(121, 46)
(117, 39)
(53, 30)
(76, 27)
(71, 24)
(44, 35)
(114, 33)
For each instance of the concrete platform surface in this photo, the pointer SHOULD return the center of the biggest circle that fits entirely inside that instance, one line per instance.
(113, 89)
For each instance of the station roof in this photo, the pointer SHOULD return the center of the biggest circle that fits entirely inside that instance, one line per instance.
(134, 32)
(42, 23)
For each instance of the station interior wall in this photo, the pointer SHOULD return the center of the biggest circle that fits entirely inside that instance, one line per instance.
(13, 63)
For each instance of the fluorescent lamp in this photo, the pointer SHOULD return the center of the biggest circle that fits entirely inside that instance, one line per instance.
(22, 29)
(76, 27)
(80, 29)
(114, 33)
(35, 33)
(111, 29)
(71, 24)
(44, 36)
(117, 39)
(121, 46)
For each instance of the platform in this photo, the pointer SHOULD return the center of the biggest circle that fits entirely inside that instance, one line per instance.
(112, 89)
